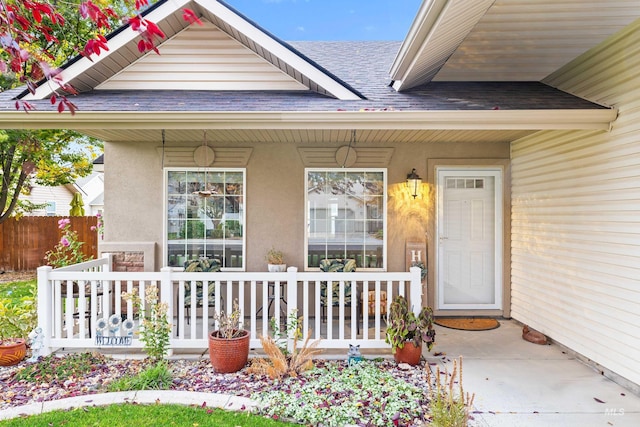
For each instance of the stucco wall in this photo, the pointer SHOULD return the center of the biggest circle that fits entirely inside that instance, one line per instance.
(275, 196)
(575, 198)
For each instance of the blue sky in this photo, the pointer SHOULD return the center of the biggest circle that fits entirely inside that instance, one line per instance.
(326, 20)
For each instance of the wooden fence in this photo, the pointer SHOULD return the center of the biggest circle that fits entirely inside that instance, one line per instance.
(24, 242)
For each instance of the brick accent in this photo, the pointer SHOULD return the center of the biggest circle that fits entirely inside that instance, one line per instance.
(128, 261)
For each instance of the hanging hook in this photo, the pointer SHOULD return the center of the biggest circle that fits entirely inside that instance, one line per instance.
(162, 148)
(352, 141)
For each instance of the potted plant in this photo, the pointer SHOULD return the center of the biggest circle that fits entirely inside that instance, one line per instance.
(406, 332)
(17, 320)
(275, 261)
(229, 344)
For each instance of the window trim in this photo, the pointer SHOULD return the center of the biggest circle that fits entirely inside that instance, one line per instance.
(165, 219)
(385, 196)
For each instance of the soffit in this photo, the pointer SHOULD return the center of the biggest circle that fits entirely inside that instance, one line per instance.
(314, 136)
(515, 40)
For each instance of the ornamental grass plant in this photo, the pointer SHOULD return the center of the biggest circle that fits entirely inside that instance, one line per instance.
(279, 361)
(449, 405)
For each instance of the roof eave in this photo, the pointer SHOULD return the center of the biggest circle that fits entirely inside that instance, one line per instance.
(573, 119)
(421, 26)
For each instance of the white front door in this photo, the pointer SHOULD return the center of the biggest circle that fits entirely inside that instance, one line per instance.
(469, 238)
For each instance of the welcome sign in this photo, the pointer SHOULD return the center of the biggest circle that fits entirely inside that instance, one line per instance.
(114, 332)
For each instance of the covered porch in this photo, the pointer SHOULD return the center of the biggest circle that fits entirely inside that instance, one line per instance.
(79, 306)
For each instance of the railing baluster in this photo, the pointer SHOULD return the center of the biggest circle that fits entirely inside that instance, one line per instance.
(253, 312)
(265, 308)
(317, 310)
(82, 309)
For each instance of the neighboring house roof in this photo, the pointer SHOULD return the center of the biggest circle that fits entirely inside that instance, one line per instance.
(503, 40)
(98, 201)
(318, 107)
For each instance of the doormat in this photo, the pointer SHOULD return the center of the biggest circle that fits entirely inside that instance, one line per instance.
(468, 323)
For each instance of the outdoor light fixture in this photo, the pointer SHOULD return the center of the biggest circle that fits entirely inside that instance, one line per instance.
(413, 183)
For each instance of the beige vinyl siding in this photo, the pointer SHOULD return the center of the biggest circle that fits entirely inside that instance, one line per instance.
(576, 217)
(202, 58)
(60, 195)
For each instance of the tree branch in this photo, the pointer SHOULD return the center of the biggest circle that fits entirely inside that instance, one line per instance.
(6, 178)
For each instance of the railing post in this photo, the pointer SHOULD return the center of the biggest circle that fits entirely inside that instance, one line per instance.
(45, 305)
(415, 290)
(166, 296)
(109, 262)
(292, 303)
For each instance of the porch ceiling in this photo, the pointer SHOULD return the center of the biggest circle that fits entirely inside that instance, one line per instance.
(314, 136)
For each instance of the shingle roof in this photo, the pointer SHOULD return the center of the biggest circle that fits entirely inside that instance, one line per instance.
(363, 65)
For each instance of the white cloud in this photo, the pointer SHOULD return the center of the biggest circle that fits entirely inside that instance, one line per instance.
(300, 28)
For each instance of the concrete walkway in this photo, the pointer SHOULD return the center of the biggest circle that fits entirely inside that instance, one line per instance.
(517, 384)
(521, 384)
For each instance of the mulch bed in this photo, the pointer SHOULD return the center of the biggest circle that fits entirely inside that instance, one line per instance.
(189, 375)
(16, 276)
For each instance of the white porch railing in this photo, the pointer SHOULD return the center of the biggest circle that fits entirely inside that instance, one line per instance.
(72, 300)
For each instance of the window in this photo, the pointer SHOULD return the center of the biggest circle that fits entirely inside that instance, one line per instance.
(50, 209)
(345, 216)
(205, 216)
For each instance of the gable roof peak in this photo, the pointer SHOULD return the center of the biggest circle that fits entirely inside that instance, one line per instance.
(88, 74)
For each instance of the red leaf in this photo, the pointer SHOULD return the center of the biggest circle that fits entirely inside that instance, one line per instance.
(84, 10)
(32, 87)
(53, 99)
(36, 15)
(598, 400)
(56, 18)
(69, 89)
(134, 22)
(24, 23)
(60, 107)
(16, 65)
(189, 16)
(153, 29)
(141, 46)
(71, 106)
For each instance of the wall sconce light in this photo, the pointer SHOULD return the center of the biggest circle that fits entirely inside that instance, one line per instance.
(413, 183)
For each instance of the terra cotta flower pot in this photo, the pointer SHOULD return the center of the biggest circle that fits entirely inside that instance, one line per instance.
(12, 351)
(228, 355)
(408, 354)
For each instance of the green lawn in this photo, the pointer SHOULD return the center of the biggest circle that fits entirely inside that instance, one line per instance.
(144, 415)
(16, 290)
